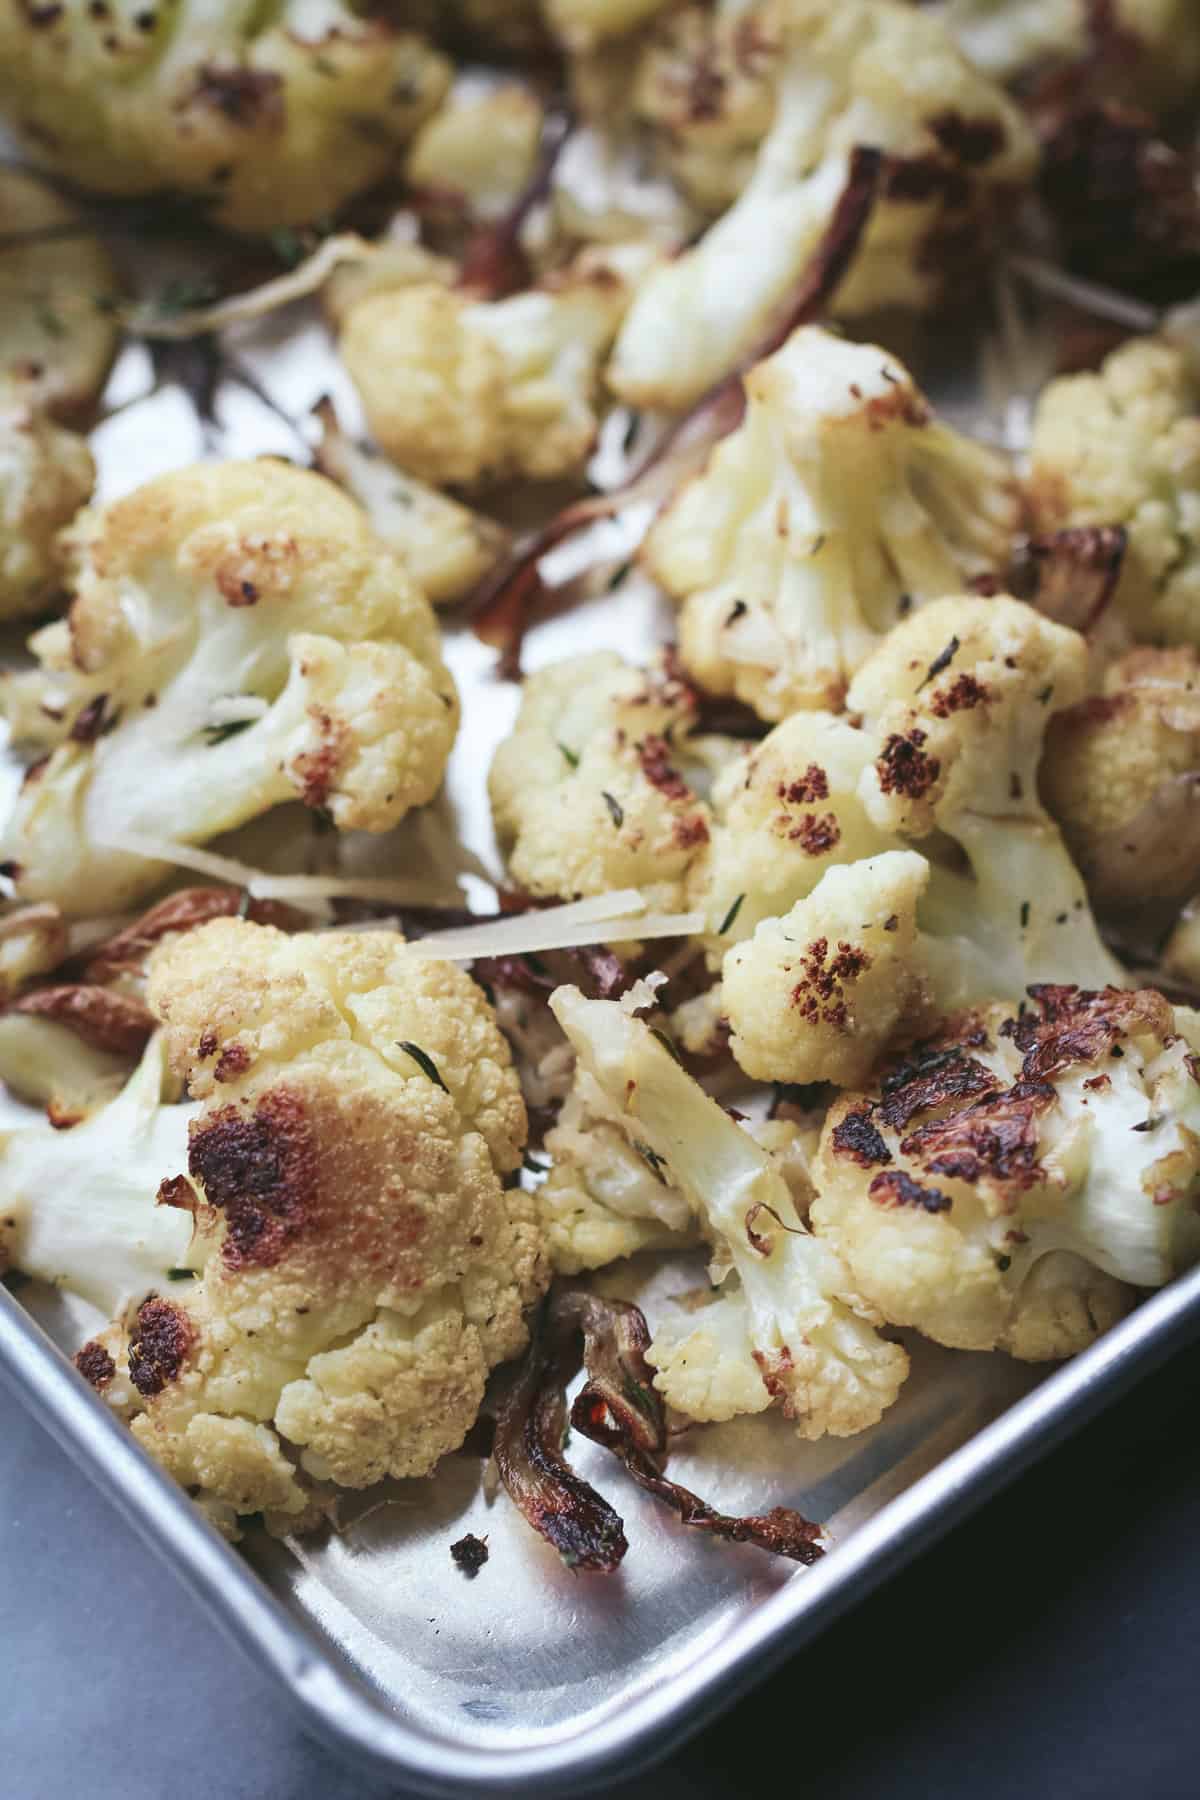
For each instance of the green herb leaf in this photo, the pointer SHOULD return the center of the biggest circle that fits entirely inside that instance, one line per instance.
(727, 923)
(671, 1049)
(181, 296)
(530, 1162)
(653, 1161)
(616, 810)
(571, 756)
(219, 734)
(287, 245)
(1024, 914)
(424, 1062)
(181, 1274)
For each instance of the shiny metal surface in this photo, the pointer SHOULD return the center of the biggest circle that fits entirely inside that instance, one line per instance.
(529, 1676)
(493, 1705)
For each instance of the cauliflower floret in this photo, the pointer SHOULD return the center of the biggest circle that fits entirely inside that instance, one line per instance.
(1143, 50)
(1121, 774)
(269, 116)
(363, 1267)
(46, 475)
(586, 795)
(33, 940)
(867, 72)
(77, 1205)
(462, 391)
(819, 994)
(58, 299)
(446, 548)
(1071, 1129)
(479, 150)
(784, 811)
(1122, 447)
(957, 699)
(785, 1326)
(603, 1199)
(238, 638)
(838, 505)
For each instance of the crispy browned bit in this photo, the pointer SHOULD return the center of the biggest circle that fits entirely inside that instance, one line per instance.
(469, 1554)
(930, 1076)
(654, 755)
(104, 1020)
(161, 1338)
(249, 97)
(260, 1168)
(233, 1061)
(855, 1136)
(904, 767)
(895, 1188)
(89, 722)
(176, 1190)
(991, 1139)
(816, 833)
(183, 911)
(963, 694)
(506, 601)
(95, 1364)
(1075, 1025)
(1072, 575)
(619, 1408)
(806, 789)
(820, 994)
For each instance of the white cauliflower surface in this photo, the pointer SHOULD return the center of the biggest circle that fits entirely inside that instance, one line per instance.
(46, 475)
(839, 505)
(238, 637)
(1000, 1182)
(866, 72)
(784, 1325)
(361, 1264)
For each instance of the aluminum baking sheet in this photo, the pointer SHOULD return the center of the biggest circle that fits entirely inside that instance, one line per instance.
(530, 1674)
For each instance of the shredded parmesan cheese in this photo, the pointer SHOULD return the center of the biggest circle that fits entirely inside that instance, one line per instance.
(304, 279)
(610, 918)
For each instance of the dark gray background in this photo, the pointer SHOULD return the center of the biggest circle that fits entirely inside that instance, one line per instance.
(1049, 1648)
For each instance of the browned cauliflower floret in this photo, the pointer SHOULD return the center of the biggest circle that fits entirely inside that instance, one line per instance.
(1121, 774)
(270, 116)
(363, 1264)
(1122, 447)
(238, 638)
(462, 391)
(999, 1184)
(587, 792)
(46, 475)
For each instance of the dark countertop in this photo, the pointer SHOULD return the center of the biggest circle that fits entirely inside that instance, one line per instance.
(1049, 1647)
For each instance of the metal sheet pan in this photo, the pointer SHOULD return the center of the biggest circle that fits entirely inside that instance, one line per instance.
(529, 1677)
(360, 1699)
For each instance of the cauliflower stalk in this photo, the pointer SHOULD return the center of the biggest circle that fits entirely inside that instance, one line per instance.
(998, 1185)
(238, 638)
(78, 1205)
(465, 392)
(954, 705)
(586, 794)
(785, 1326)
(270, 116)
(362, 1264)
(1121, 446)
(836, 507)
(866, 72)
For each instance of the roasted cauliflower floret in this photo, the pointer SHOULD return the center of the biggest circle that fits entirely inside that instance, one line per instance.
(1121, 774)
(1122, 447)
(479, 149)
(582, 24)
(445, 546)
(819, 994)
(77, 1206)
(957, 699)
(238, 638)
(463, 392)
(363, 1265)
(1065, 1135)
(58, 299)
(867, 72)
(784, 1325)
(269, 116)
(587, 794)
(46, 475)
(836, 507)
